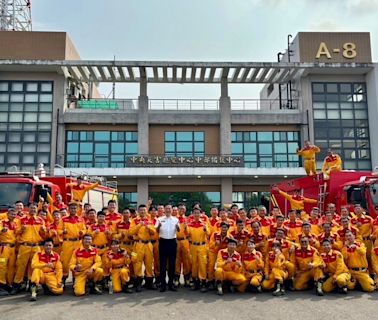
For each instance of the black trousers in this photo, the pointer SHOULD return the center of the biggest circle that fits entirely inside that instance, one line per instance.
(167, 254)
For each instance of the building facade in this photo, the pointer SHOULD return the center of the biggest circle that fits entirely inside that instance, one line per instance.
(223, 150)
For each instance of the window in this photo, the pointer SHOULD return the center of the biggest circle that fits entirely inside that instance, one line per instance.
(27, 122)
(100, 149)
(184, 143)
(127, 199)
(266, 149)
(248, 200)
(340, 123)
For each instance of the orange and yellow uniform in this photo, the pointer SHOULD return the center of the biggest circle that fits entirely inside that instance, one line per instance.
(112, 219)
(313, 240)
(297, 202)
(241, 237)
(260, 241)
(341, 233)
(286, 248)
(229, 268)
(143, 248)
(253, 264)
(31, 231)
(275, 270)
(88, 260)
(197, 233)
(332, 163)
(78, 191)
(101, 236)
(294, 229)
(183, 251)
(7, 251)
(217, 242)
(308, 154)
(217, 226)
(123, 234)
(365, 225)
(43, 273)
(374, 263)
(54, 234)
(315, 226)
(117, 263)
(356, 261)
(72, 229)
(155, 249)
(273, 230)
(305, 273)
(212, 222)
(336, 270)
(265, 224)
(336, 243)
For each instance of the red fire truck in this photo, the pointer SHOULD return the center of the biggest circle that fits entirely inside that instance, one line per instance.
(344, 188)
(26, 187)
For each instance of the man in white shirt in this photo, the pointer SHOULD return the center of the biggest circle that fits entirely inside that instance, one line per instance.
(167, 226)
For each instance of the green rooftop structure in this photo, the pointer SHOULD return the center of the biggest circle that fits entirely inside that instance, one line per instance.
(98, 104)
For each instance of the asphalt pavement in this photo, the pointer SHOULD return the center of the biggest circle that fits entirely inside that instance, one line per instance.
(185, 304)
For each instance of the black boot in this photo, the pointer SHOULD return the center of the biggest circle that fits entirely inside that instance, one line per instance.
(97, 288)
(138, 284)
(127, 288)
(211, 285)
(219, 288)
(187, 281)
(16, 288)
(196, 284)
(203, 286)
(150, 283)
(3, 290)
(33, 292)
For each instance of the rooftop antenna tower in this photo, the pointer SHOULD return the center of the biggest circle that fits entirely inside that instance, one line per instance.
(15, 15)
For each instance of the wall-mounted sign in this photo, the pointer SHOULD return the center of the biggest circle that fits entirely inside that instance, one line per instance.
(345, 47)
(180, 161)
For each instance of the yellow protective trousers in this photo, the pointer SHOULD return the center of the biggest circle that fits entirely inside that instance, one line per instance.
(120, 277)
(342, 280)
(183, 257)
(68, 248)
(23, 261)
(143, 254)
(7, 264)
(49, 279)
(276, 275)
(310, 167)
(303, 277)
(82, 277)
(363, 278)
(198, 256)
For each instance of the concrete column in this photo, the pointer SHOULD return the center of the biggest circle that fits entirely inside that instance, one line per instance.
(225, 120)
(143, 125)
(142, 190)
(226, 190)
(372, 100)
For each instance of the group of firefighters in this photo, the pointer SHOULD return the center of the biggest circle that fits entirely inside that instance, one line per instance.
(230, 248)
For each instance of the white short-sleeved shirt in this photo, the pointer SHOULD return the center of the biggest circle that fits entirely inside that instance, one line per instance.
(168, 227)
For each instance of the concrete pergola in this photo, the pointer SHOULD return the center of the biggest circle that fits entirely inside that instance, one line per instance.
(179, 71)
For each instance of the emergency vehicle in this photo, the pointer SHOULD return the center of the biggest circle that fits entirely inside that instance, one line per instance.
(344, 188)
(28, 187)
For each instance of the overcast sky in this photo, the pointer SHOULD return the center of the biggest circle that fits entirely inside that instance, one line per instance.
(197, 30)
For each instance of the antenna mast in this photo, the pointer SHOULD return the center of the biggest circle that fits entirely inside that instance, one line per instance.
(15, 15)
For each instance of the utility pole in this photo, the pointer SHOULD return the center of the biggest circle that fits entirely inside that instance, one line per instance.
(15, 15)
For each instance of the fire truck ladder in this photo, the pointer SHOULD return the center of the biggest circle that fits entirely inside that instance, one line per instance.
(322, 195)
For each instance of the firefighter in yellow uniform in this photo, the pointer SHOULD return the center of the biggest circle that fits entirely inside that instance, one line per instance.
(198, 231)
(183, 252)
(332, 163)
(101, 234)
(308, 266)
(47, 270)
(7, 251)
(253, 264)
(308, 153)
(72, 229)
(275, 270)
(355, 258)
(218, 241)
(31, 231)
(78, 189)
(335, 268)
(374, 264)
(155, 244)
(123, 229)
(86, 265)
(229, 267)
(117, 261)
(53, 233)
(143, 232)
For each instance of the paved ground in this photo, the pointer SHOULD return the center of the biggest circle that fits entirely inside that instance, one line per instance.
(185, 304)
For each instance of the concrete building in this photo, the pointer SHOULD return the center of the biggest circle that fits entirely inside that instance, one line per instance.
(323, 89)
